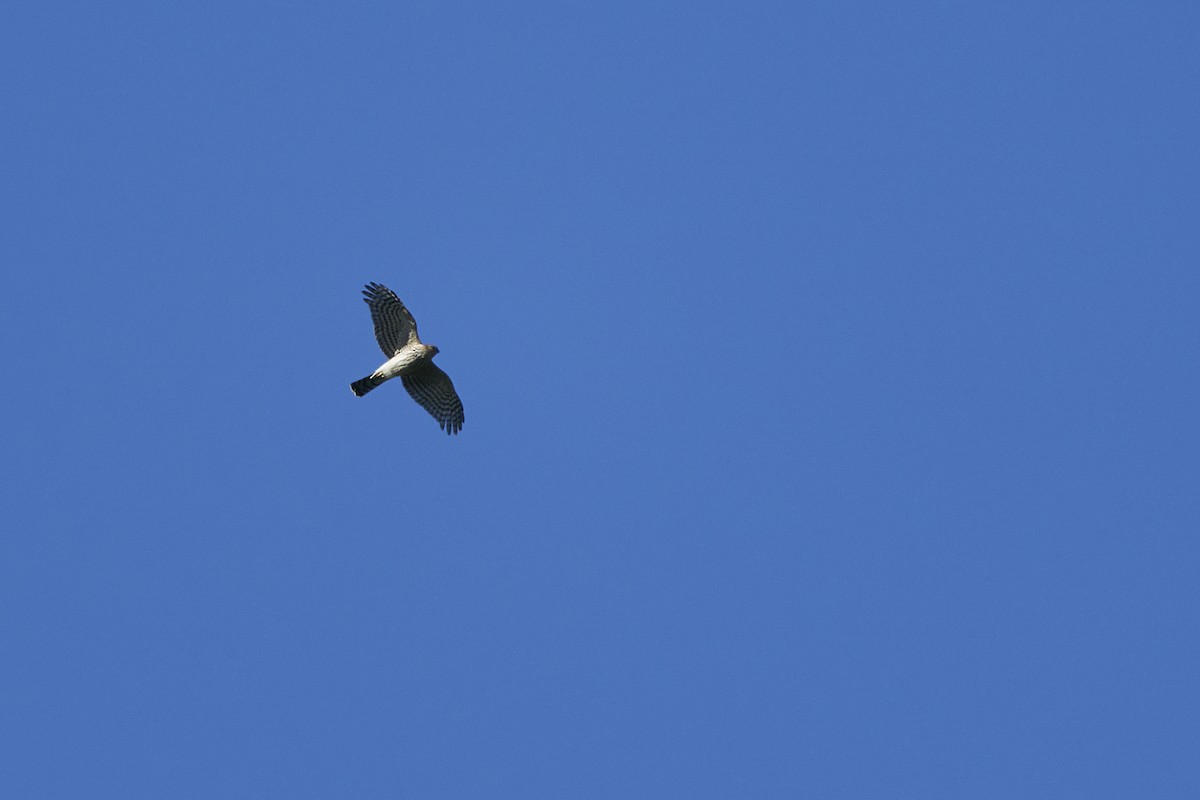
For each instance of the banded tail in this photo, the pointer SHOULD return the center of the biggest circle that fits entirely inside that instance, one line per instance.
(365, 385)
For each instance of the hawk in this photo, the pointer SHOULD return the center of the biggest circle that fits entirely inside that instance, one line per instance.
(410, 358)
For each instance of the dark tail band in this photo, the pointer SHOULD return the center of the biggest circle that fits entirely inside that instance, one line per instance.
(365, 385)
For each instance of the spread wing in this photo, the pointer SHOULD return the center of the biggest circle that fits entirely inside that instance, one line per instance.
(394, 326)
(434, 391)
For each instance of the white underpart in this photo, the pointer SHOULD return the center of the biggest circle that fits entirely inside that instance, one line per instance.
(408, 359)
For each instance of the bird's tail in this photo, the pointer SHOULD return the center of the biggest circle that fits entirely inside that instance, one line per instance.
(365, 385)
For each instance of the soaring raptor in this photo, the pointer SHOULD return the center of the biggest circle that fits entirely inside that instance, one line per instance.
(410, 358)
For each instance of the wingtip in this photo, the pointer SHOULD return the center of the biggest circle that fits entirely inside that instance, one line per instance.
(374, 291)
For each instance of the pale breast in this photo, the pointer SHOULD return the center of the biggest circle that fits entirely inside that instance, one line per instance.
(408, 359)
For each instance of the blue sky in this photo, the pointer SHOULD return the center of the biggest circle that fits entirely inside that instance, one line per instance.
(830, 386)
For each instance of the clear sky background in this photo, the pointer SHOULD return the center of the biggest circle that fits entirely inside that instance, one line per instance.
(830, 374)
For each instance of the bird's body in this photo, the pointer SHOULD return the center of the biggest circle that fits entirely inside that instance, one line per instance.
(410, 359)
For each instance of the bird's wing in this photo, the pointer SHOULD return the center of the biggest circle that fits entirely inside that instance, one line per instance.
(394, 326)
(433, 389)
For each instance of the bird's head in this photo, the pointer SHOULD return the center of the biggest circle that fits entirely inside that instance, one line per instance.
(433, 351)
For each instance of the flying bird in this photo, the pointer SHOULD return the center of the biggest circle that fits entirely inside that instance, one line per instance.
(409, 358)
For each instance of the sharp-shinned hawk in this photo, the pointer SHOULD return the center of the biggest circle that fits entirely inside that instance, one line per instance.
(409, 358)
